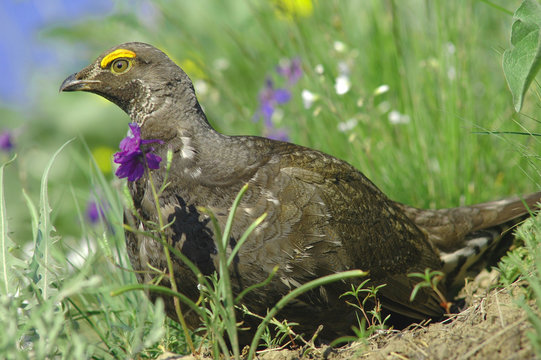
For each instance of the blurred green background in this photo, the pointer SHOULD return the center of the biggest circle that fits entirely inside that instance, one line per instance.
(439, 63)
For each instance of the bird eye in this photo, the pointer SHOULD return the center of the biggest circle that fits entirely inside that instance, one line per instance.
(120, 66)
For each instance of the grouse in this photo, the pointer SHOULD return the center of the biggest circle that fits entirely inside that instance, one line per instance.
(323, 215)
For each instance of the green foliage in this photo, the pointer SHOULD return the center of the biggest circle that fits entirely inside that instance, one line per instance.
(7, 261)
(295, 293)
(372, 320)
(509, 271)
(429, 279)
(524, 264)
(52, 306)
(522, 62)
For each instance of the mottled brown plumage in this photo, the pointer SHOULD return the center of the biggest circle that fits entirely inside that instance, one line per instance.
(324, 216)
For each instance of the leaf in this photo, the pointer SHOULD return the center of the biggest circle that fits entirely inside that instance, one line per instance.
(33, 214)
(42, 263)
(6, 260)
(522, 61)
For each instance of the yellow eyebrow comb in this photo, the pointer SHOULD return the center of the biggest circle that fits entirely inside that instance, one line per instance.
(118, 53)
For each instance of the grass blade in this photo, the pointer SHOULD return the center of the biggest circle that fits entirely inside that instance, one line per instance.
(4, 235)
(45, 239)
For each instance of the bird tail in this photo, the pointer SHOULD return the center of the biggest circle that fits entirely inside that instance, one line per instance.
(470, 238)
(482, 249)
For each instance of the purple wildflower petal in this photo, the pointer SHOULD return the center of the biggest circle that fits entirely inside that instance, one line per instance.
(133, 170)
(296, 71)
(123, 170)
(153, 161)
(135, 130)
(269, 84)
(269, 98)
(6, 142)
(130, 158)
(92, 212)
(266, 95)
(128, 144)
(137, 172)
(278, 134)
(291, 71)
(281, 96)
(267, 109)
(125, 156)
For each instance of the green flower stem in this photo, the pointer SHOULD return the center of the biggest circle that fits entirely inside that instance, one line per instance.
(243, 238)
(169, 263)
(229, 223)
(225, 290)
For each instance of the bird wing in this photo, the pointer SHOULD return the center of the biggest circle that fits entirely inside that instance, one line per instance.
(324, 217)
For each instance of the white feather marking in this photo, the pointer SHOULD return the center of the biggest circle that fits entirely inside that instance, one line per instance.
(196, 172)
(473, 249)
(271, 197)
(188, 151)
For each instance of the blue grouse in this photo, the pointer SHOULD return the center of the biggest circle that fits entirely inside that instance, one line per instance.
(324, 216)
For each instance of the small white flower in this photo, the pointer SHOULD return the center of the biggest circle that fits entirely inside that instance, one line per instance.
(14, 295)
(308, 98)
(384, 106)
(277, 116)
(201, 86)
(342, 84)
(319, 69)
(339, 46)
(450, 47)
(434, 165)
(78, 257)
(382, 89)
(343, 68)
(451, 73)
(396, 117)
(347, 125)
(221, 64)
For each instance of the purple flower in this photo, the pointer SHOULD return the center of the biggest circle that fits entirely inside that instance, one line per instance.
(291, 70)
(132, 158)
(94, 212)
(269, 97)
(277, 134)
(6, 141)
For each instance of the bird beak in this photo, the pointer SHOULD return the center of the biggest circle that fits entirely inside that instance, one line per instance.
(73, 84)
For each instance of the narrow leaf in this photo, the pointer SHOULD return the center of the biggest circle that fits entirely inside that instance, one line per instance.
(6, 260)
(45, 239)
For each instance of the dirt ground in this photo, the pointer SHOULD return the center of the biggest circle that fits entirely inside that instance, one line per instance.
(492, 327)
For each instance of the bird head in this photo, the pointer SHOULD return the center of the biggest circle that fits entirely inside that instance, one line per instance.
(137, 77)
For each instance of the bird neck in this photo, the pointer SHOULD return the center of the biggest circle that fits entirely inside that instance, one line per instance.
(166, 124)
(169, 111)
